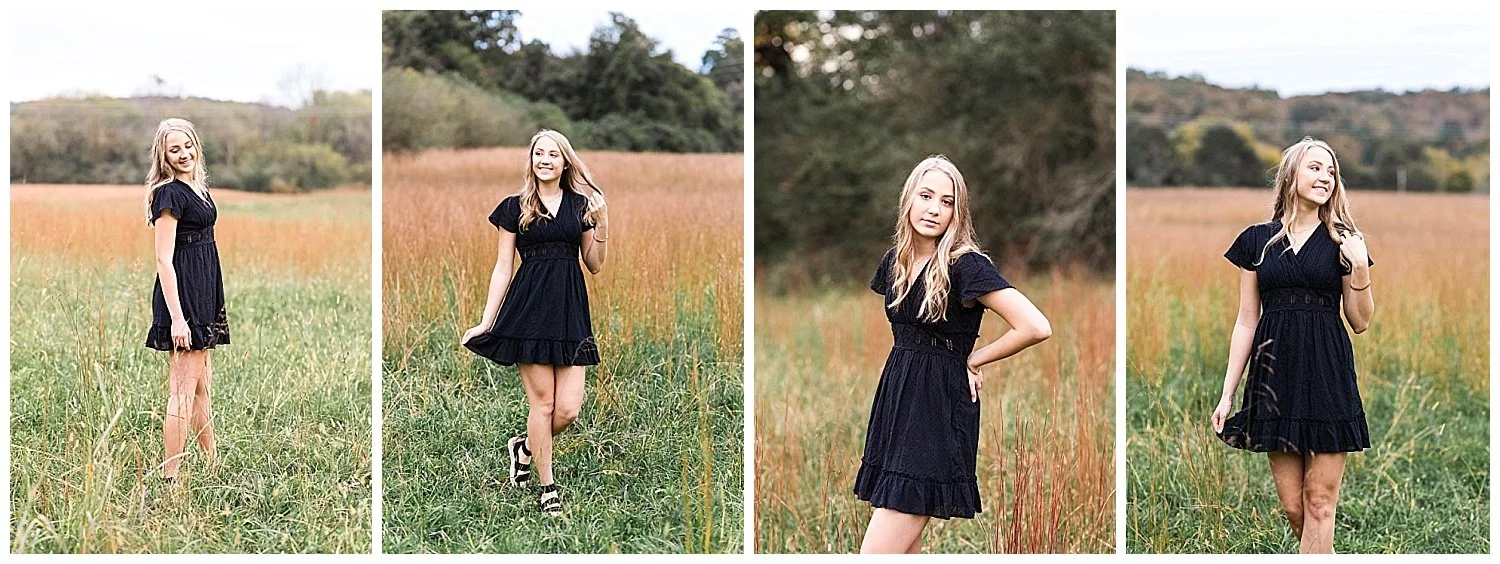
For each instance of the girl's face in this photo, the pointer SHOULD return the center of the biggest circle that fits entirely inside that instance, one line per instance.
(182, 154)
(547, 162)
(932, 205)
(1315, 177)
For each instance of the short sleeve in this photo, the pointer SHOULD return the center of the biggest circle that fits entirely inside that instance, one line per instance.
(507, 215)
(168, 199)
(881, 281)
(977, 276)
(1246, 248)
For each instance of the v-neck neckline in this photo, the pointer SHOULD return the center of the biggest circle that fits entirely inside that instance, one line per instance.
(550, 213)
(1297, 250)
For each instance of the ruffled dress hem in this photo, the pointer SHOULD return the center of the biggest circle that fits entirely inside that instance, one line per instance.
(916, 496)
(1290, 434)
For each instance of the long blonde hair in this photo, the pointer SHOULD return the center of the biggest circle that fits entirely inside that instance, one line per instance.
(955, 242)
(1334, 213)
(161, 172)
(575, 175)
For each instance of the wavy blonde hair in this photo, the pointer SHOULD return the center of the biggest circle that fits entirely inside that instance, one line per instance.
(161, 172)
(955, 242)
(575, 176)
(1334, 213)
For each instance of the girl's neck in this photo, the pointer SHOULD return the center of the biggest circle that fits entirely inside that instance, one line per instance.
(185, 178)
(922, 248)
(549, 190)
(1305, 218)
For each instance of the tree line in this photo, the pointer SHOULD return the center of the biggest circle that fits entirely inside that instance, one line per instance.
(257, 147)
(464, 78)
(846, 103)
(1183, 131)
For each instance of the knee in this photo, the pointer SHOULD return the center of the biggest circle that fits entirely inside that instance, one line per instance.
(1294, 514)
(1319, 504)
(543, 405)
(565, 414)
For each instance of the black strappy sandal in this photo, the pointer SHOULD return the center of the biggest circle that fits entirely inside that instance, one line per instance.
(550, 501)
(520, 460)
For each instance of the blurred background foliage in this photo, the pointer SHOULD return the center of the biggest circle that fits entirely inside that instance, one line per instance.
(1184, 131)
(324, 142)
(463, 78)
(1023, 102)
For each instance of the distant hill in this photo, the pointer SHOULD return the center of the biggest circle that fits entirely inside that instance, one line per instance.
(1426, 140)
(257, 147)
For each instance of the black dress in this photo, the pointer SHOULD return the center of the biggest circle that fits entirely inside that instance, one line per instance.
(545, 316)
(1301, 394)
(923, 436)
(195, 258)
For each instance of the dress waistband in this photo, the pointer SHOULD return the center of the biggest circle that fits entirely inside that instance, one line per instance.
(195, 238)
(917, 337)
(1300, 298)
(549, 250)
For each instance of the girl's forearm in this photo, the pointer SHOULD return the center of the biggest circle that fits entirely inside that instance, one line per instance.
(499, 284)
(1240, 343)
(168, 276)
(1012, 342)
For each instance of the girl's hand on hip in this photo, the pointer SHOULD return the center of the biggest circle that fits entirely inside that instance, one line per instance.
(182, 338)
(976, 381)
(1221, 413)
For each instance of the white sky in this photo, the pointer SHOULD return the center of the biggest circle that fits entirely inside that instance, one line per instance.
(1296, 51)
(215, 53)
(687, 32)
(245, 54)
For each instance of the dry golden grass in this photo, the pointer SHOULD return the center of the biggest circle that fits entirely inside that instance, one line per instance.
(675, 220)
(1431, 255)
(106, 225)
(1046, 462)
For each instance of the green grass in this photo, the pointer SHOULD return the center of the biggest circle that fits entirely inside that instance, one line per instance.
(291, 404)
(653, 463)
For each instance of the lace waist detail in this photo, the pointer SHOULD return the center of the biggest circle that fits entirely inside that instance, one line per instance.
(912, 336)
(1300, 298)
(549, 250)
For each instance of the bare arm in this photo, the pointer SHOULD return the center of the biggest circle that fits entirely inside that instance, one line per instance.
(595, 243)
(1027, 326)
(500, 278)
(1241, 340)
(1359, 305)
(164, 233)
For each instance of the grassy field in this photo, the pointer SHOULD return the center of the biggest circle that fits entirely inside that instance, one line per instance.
(1046, 453)
(291, 395)
(654, 463)
(1423, 369)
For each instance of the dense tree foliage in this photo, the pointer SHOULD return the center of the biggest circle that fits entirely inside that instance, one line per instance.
(464, 78)
(1184, 131)
(846, 103)
(99, 140)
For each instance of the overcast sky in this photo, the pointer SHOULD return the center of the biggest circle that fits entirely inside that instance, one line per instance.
(1309, 52)
(247, 55)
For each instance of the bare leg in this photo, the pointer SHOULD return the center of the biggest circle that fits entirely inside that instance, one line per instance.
(1320, 495)
(892, 532)
(539, 380)
(203, 416)
(185, 367)
(1286, 470)
(916, 544)
(570, 391)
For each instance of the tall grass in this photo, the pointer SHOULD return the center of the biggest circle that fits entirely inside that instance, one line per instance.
(654, 463)
(291, 395)
(1046, 453)
(1423, 373)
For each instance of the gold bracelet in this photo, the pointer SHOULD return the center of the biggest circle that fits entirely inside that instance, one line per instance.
(1362, 288)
